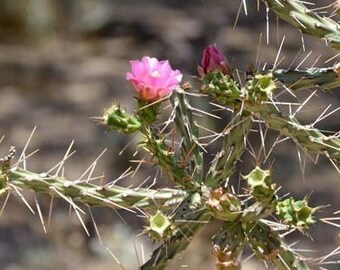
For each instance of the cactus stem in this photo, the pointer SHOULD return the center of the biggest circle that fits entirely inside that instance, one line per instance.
(88, 193)
(297, 14)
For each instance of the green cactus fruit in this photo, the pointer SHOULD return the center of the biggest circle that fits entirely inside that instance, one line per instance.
(117, 119)
(258, 177)
(260, 87)
(160, 226)
(224, 205)
(189, 217)
(296, 213)
(260, 183)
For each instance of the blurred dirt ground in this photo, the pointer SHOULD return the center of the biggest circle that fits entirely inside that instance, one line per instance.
(63, 61)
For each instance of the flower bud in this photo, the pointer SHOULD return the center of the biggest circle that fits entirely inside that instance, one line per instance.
(213, 60)
(118, 119)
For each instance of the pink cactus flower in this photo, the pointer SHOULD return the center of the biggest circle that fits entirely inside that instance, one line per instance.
(153, 79)
(213, 59)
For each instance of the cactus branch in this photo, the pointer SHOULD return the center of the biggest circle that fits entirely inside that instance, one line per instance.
(192, 217)
(270, 247)
(189, 133)
(228, 245)
(325, 78)
(307, 21)
(308, 137)
(166, 158)
(256, 93)
(110, 196)
(233, 147)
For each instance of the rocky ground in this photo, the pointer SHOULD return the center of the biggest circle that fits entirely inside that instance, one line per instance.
(62, 62)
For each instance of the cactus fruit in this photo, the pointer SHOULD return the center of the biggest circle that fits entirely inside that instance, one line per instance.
(224, 205)
(159, 226)
(296, 213)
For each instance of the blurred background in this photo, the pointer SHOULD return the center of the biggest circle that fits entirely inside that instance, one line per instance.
(63, 61)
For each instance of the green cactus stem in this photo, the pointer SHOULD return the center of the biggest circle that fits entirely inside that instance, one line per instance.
(190, 148)
(227, 92)
(166, 158)
(110, 196)
(270, 247)
(325, 78)
(234, 144)
(308, 137)
(190, 217)
(307, 21)
(228, 245)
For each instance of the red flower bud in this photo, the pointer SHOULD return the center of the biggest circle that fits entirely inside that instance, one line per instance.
(213, 60)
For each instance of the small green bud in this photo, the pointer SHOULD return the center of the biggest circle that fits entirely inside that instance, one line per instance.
(222, 87)
(117, 119)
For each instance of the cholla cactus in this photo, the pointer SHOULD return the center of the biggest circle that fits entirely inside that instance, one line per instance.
(202, 189)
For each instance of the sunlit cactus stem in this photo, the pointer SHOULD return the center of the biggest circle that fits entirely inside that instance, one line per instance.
(255, 102)
(307, 21)
(84, 192)
(234, 144)
(306, 136)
